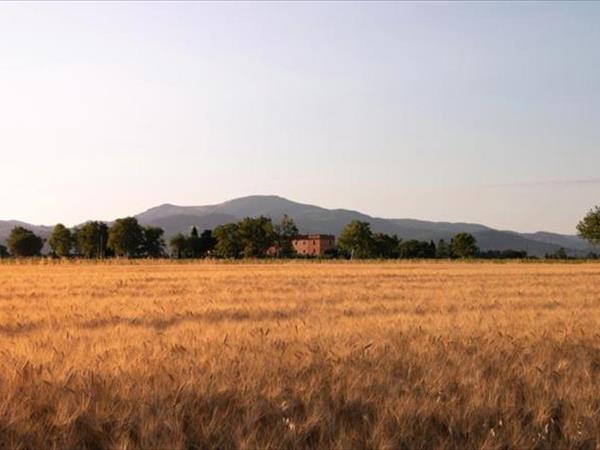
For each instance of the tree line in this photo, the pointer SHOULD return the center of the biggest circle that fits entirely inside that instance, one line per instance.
(124, 238)
(253, 237)
(357, 241)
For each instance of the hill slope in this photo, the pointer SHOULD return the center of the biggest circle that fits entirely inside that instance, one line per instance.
(314, 219)
(7, 225)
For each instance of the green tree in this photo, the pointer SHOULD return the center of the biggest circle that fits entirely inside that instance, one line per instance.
(589, 227)
(24, 242)
(229, 241)
(356, 240)
(442, 250)
(558, 254)
(178, 245)
(154, 244)
(91, 240)
(3, 251)
(464, 245)
(207, 241)
(194, 244)
(285, 231)
(200, 246)
(257, 236)
(431, 250)
(61, 240)
(126, 237)
(386, 246)
(414, 249)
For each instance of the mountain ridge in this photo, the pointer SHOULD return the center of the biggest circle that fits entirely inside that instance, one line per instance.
(316, 219)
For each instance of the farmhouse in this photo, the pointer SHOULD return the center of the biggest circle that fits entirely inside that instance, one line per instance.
(313, 244)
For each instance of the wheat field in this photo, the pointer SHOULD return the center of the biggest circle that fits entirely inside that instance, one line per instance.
(167, 355)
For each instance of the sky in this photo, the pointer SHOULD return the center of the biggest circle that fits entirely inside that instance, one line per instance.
(476, 112)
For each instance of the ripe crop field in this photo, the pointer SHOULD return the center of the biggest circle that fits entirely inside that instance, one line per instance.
(299, 355)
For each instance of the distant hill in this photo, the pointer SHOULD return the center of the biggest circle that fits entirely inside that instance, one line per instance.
(314, 219)
(7, 225)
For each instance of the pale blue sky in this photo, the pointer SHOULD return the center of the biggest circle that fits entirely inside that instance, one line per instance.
(483, 112)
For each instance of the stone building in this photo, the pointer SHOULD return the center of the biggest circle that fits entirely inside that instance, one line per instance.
(313, 244)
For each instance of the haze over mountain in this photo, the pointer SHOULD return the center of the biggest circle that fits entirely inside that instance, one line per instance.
(7, 225)
(314, 219)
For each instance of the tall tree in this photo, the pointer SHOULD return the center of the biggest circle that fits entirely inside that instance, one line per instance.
(208, 242)
(385, 246)
(257, 236)
(229, 242)
(198, 246)
(414, 249)
(3, 251)
(464, 245)
(194, 244)
(91, 240)
(61, 240)
(178, 245)
(24, 242)
(357, 240)
(442, 250)
(431, 250)
(285, 231)
(154, 244)
(589, 227)
(126, 237)
(561, 253)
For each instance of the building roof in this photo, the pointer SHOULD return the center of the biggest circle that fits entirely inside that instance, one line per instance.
(301, 237)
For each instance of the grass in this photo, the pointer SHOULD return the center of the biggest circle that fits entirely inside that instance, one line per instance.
(298, 355)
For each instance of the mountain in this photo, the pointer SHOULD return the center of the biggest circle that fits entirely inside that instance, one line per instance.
(7, 225)
(314, 219)
(567, 241)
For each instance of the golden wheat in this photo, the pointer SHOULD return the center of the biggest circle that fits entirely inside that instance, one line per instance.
(299, 355)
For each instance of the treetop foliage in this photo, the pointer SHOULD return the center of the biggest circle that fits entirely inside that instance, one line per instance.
(23, 242)
(356, 240)
(91, 240)
(126, 237)
(61, 241)
(589, 227)
(285, 231)
(464, 245)
(194, 245)
(255, 237)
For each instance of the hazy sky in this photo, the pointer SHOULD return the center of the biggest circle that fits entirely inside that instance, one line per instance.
(483, 112)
